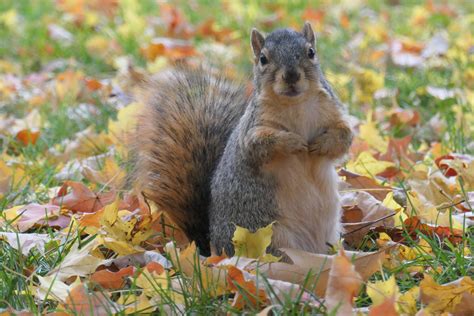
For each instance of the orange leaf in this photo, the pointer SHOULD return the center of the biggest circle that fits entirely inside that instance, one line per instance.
(26, 136)
(82, 303)
(246, 291)
(112, 280)
(81, 198)
(93, 84)
(343, 285)
(387, 308)
(154, 267)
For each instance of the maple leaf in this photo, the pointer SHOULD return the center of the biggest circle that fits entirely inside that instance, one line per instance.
(81, 198)
(211, 278)
(252, 245)
(371, 135)
(456, 297)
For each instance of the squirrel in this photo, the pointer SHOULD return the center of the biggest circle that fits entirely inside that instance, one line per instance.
(212, 157)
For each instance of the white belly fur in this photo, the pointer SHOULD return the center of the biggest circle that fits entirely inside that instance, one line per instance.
(308, 203)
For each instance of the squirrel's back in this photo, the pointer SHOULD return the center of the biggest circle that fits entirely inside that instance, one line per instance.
(181, 135)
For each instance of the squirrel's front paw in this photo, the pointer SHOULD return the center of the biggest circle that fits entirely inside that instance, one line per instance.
(333, 143)
(293, 143)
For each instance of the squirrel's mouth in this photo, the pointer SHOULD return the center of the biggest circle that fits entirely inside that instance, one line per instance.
(291, 92)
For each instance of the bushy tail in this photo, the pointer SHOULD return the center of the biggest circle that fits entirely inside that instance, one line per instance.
(180, 138)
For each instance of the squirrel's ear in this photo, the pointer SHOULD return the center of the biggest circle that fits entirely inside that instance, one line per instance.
(257, 40)
(308, 33)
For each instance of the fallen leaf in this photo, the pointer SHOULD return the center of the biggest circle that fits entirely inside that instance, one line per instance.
(380, 291)
(312, 270)
(252, 245)
(25, 217)
(386, 308)
(81, 302)
(81, 198)
(367, 165)
(343, 285)
(456, 297)
(112, 280)
(25, 242)
(246, 291)
(51, 288)
(26, 136)
(78, 262)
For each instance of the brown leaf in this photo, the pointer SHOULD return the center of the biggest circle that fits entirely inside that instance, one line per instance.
(361, 182)
(343, 285)
(81, 198)
(312, 270)
(367, 212)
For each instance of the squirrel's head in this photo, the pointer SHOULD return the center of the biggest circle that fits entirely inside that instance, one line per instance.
(285, 61)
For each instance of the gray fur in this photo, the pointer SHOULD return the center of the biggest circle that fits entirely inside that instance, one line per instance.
(241, 193)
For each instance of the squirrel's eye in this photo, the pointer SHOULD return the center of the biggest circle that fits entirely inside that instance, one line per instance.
(263, 59)
(311, 53)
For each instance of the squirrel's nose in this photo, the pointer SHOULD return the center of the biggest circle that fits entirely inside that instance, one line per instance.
(291, 76)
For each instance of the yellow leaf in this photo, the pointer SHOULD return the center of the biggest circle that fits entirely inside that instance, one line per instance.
(252, 245)
(126, 122)
(98, 45)
(111, 174)
(429, 213)
(134, 304)
(213, 279)
(10, 19)
(453, 297)
(152, 282)
(367, 83)
(367, 165)
(407, 301)
(378, 291)
(390, 203)
(371, 135)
